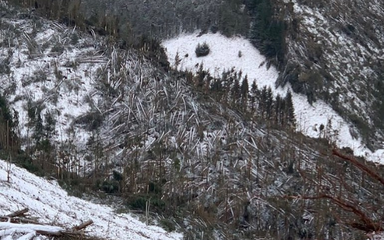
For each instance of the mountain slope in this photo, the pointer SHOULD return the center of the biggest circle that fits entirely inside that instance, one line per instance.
(335, 53)
(217, 164)
(47, 201)
(237, 54)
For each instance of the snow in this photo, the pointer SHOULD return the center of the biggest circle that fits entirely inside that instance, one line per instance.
(61, 84)
(51, 204)
(224, 55)
(22, 228)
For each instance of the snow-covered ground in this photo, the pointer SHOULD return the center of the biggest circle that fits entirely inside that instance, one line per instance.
(239, 54)
(51, 204)
(56, 76)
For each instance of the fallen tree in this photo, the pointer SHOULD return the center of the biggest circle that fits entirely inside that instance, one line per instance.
(18, 224)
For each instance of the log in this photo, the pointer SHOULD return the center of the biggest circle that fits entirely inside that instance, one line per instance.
(18, 220)
(83, 225)
(40, 229)
(18, 213)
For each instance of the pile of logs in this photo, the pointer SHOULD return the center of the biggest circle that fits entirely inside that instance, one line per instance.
(19, 226)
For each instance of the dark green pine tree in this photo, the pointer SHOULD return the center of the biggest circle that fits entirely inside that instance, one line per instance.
(282, 120)
(268, 32)
(254, 95)
(226, 82)
(39, 129)
(277, 110)
(7, 135)
(236, 92)
(244, 89)
(289, 110)
(50, 123)
(263, 102)
(31, 112)
(216, 88)
(201, 74)
(269, 103)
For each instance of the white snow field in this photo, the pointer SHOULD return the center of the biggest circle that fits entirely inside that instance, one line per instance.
(51, 204)
(224, 55)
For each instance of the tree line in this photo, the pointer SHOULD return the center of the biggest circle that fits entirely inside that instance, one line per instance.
(233, 90)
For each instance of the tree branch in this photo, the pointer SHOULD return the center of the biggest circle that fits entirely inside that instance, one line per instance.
(359, 165)
(366, 224)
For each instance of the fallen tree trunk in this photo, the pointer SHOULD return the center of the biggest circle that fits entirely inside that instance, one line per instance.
(83, 225)
(18, 213)
(29, 228)
(16, 223)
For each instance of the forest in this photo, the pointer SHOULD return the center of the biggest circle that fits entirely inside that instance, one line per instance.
(209, 156)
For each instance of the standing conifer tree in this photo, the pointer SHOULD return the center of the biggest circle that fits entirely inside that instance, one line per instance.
(263, 101)
(236, 92)
(278, 111)
(290, 111)
(269, 103)
(244, 93)
(254, 95)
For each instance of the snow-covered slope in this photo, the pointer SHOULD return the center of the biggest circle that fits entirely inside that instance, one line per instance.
(51, 204)
(335, 52)
(238, 53)
(50, 74)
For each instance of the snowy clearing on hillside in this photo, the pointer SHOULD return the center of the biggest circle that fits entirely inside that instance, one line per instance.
(52, 205)
(239, 54)
(50, 75)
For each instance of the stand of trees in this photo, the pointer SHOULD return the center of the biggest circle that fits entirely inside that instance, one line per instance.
(130, 22)
(8, 128)
(253, 102)
(267, 31)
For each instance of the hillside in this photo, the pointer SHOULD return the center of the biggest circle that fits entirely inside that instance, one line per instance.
(334, 52)
(213, 155)
(238, 54)
(329, 51)
(50, 204)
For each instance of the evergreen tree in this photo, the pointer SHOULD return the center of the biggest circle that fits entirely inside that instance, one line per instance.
(39, 129)
(226, 85)
(49, 127)
(7, 136)
(290, 113)
(244, 93)
(216, 89)
(236, 92)
(263, 102)
(278, 111)
(269, 102)
(201, 74)
(282, 112)
(267, 32)
(254, 95)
